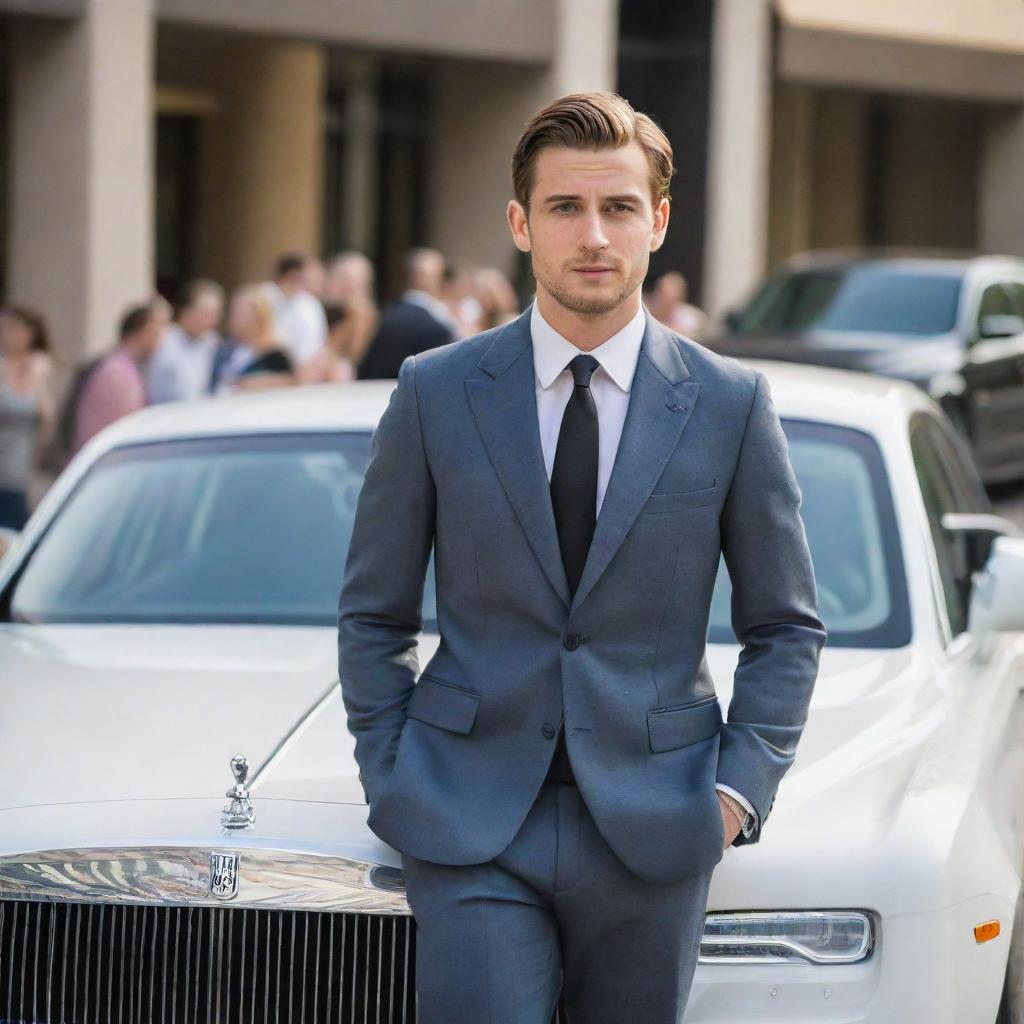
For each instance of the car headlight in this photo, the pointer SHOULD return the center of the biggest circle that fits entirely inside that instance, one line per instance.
(816, 937)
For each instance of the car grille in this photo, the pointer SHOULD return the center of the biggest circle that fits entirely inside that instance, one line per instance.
(80, 963)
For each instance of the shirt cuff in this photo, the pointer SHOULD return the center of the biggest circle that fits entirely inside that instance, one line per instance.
(739, 796)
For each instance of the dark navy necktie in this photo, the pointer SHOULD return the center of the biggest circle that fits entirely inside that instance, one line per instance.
(574, 474)
(574, 498)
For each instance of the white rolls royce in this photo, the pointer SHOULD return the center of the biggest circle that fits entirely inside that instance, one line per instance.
(182, 830)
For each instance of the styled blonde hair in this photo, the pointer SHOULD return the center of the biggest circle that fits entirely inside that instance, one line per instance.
(591, 120)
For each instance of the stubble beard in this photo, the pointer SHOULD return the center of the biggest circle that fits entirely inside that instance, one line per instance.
(584, 305)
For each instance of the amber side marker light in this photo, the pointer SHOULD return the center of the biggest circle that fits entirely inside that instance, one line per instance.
(987, 930)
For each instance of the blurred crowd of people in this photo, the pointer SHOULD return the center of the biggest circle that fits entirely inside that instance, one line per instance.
(311, 323)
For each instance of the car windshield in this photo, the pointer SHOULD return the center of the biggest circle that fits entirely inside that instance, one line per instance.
(853, 537)
(255, 530)
(868, 298)
(220, 530)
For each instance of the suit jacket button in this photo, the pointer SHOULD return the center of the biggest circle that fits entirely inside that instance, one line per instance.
(549, 730)
(572, 641)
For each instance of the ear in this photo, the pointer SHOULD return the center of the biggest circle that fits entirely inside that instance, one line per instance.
(661, 212)
(519, 225)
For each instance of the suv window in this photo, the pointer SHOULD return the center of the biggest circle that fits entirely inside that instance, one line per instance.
(995, 301)
(1016, 290)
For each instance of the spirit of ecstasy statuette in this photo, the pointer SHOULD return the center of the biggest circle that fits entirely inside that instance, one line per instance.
(239, 812)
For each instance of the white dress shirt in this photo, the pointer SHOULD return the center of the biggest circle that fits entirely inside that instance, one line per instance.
(610, 387)
(300, 320)
(180, 368)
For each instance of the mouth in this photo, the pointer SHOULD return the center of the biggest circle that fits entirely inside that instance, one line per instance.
(594, 271)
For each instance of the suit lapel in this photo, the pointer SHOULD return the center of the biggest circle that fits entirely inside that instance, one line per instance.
(661, 402)
(504, 404)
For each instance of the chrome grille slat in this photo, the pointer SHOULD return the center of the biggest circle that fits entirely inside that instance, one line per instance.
(10, 969)
(74, 963)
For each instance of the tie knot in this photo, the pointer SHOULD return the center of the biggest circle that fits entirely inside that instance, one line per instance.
(583, 368)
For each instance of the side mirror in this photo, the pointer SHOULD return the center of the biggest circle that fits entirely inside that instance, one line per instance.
(1000, 325)
(997, 598)
(980, 528)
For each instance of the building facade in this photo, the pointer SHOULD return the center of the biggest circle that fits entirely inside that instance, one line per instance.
(151, 141)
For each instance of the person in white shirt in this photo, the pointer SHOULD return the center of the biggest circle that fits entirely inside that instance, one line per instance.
(300, 319)
(182, 366)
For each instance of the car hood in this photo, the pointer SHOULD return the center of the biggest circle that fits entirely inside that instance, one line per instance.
(916, 359)
(122, 713)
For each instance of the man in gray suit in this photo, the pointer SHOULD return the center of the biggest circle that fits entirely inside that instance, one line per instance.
(559, 779)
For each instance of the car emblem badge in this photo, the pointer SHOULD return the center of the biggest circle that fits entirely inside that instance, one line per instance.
(239, 812)
(224, 875)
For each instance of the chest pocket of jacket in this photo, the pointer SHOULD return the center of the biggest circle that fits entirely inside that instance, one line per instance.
(443, 704)
(682, 501)
(683, 724)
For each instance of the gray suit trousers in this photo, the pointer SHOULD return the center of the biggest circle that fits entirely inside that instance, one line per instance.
(556, 908)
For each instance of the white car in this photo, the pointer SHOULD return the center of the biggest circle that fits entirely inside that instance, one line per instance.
(172, 605)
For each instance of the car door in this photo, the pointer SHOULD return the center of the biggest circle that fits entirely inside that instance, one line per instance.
(994, 375)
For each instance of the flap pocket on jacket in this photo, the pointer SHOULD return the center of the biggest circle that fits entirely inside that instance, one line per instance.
(443, 704)
(680, 501)
(684, 724)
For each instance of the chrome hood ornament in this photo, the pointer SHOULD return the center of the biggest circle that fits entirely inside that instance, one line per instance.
(239, 812)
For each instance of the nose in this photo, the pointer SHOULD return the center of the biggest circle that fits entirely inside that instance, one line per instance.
(593, 237)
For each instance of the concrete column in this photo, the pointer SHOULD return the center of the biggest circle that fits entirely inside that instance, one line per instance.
(737, 200)
(261, 159)
(1000, 193)
(81, 185)
(482, 110)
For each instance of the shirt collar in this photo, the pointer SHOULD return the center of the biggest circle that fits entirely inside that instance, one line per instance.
(435, 307)
(618, 355)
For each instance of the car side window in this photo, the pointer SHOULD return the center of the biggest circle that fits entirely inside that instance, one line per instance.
(958, 462)
(995, 301)
(1016, 290)
(940, 493)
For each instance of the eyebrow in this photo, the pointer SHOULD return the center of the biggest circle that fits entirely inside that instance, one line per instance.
(629, 197)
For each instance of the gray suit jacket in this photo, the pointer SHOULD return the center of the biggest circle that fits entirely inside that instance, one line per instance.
(452, 763)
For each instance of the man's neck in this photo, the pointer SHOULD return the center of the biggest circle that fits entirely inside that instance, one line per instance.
(586, 331)
(188, 330)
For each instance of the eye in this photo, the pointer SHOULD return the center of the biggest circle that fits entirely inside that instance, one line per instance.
(565, 207)
(622, 208)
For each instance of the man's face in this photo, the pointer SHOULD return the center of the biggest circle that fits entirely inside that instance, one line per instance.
(204, 314)
(592, 225)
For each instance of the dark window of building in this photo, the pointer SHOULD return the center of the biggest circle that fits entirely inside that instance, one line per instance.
(176, 153)
(398, 162)
(664, 70)
(404, 169)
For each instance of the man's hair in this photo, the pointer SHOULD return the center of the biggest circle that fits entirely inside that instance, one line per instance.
(135, 319)
(591, 120)
(288, 264)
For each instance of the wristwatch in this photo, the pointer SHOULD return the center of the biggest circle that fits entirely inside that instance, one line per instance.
(745, 818)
